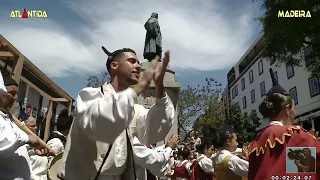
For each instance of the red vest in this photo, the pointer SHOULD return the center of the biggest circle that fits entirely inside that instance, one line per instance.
(181, 171)
(198, 173)
(150, 176)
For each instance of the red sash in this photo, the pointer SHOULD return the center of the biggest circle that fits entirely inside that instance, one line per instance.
(181, 171)
(149, 146)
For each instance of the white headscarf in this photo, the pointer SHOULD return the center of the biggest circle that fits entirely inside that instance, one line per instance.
(2, 86)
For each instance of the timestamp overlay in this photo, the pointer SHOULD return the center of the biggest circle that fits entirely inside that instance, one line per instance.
(292, 177)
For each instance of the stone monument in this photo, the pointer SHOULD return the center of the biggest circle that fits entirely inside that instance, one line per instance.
(172, 88)
(153, 41)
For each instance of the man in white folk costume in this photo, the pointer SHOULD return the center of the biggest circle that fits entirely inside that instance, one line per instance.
(14, 159)
(38, 164)
(107, 120)
(228, 165)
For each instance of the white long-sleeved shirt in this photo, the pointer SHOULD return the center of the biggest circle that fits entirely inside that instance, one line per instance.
(39, 167)
(14, 159)
(206, 164)
(101, 119)
(152, 159)
(237, 165)
(56, 144)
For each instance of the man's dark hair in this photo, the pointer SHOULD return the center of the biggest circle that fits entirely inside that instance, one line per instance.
(225, 134)
(116, 54)
(184, 153)
(308, 149)
(64, 121)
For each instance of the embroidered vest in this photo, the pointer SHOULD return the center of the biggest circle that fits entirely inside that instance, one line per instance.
(181, 171)
(223, 172)
(198, 173)
(103, 149)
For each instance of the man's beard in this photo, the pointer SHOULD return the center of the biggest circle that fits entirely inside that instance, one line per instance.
(132, 81)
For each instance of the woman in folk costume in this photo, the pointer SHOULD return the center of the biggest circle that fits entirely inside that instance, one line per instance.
(202, 167)
(158, 169)
(268, 153)
(182, 170)
(161, 157)
(99, 145)
(14, 159)
(226, 164)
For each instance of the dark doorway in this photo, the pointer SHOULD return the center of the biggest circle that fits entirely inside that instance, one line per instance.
(317, 123)
(307, 125)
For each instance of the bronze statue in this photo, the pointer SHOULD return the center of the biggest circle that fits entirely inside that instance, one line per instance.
(153, 41)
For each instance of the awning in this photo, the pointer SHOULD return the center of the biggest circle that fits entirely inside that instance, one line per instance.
(307, 117)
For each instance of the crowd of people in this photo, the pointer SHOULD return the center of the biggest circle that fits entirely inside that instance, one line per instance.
(111, 137)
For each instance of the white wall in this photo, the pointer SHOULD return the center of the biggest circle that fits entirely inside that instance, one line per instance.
(305, 104)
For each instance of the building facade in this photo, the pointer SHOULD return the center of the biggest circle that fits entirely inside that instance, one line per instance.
(172, 88)
(249, 81)
(222, 102)
(38, 95)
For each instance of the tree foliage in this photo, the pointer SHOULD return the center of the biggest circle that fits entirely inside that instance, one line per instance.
(286, 39)
(210, 122)
(193, 102)
(244, 124)
(98, 80)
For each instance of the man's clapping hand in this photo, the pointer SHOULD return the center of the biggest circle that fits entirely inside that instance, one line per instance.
(148, 75)
(173, 141)
(40, 149)
(160, 69)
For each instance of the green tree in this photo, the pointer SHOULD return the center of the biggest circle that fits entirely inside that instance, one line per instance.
(289, 40)
(210, 122)
(244, 124)
(193, 102)
(98, 79)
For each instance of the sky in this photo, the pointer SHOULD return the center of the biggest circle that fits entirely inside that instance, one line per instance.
(205, 38)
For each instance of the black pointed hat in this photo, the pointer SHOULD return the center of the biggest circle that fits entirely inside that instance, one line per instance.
(8, 80)
(276, 88)
(111, 55)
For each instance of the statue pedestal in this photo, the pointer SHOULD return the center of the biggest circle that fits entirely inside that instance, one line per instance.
(172, 88)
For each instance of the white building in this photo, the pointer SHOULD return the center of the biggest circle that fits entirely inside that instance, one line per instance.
(249, 80)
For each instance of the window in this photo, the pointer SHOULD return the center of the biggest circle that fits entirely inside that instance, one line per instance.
(260, 67)
(243, 84)
(276, 75)
(314, 86)
(253, 96)
(244, 102)
(262, 89)
(251, 76)
(308, 55)
(294, 95)
(236, 90)
(232, 93)
(290, 71)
